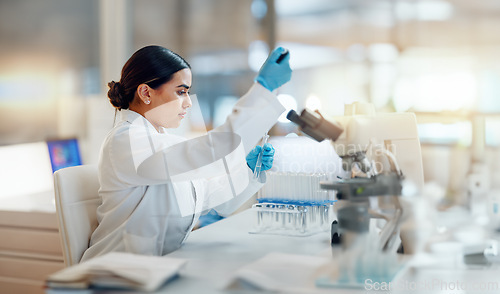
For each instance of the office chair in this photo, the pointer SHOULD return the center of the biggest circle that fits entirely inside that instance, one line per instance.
(77, 199)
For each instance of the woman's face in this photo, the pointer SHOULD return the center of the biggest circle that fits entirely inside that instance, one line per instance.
(170, 101)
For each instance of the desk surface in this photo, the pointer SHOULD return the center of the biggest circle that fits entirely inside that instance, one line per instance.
(215, 252)
(37, 202)
(29, 211)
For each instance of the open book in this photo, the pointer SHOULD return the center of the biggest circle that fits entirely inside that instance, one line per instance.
(118, 270)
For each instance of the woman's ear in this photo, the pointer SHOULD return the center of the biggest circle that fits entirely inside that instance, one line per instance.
(143, 91)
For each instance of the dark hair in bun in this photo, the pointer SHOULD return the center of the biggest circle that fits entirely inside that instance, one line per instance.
(151, 65)
(115, 95)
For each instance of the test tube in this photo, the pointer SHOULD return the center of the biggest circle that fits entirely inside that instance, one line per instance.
(258, 164)
(258, 207)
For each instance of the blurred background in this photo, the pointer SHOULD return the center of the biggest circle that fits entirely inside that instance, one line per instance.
(437, 58)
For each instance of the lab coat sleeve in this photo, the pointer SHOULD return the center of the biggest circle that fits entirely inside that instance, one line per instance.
(253, 115)
(227, 208)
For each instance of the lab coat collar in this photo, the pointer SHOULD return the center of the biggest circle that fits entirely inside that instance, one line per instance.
(127, 115)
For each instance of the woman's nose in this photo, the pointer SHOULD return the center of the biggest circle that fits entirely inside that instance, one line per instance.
(187, 102)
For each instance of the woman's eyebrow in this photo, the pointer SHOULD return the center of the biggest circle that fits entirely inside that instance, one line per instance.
(183, 86)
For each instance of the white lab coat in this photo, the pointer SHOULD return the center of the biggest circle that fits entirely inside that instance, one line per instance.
(145, 209)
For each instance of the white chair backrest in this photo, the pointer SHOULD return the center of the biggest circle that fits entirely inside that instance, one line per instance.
(77, 199)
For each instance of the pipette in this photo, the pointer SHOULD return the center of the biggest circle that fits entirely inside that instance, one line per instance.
(258, 164)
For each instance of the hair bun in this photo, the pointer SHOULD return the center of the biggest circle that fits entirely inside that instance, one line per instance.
(116, 95)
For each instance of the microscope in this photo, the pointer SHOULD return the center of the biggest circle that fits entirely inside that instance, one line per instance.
(375, 150)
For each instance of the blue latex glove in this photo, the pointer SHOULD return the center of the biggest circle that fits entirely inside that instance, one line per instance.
(267, 157)
(272, 75)
(211, 217)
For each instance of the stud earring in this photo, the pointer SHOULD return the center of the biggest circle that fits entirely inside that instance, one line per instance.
(147, 101)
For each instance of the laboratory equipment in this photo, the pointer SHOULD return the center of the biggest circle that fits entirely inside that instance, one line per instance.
(315, 125)
(375, 150)
(368, 145)
(258, 164)
(492, 253)
(293, 204)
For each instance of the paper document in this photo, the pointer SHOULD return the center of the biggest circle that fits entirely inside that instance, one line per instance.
(118, 270)
(281, 272)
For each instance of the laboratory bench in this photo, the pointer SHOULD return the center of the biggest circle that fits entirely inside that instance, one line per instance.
(30, 248)
(217, 253)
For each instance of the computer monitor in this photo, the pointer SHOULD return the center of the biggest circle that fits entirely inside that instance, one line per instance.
(64, 153)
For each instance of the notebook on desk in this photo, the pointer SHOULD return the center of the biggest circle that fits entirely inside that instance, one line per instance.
(117, 270)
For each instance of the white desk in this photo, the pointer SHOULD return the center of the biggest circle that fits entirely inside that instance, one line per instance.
(215, 252)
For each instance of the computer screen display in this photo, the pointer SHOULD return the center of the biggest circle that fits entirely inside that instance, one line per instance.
(64, 153)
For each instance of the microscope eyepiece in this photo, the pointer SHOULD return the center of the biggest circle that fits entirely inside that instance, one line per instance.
(315, 125)
(294, 117)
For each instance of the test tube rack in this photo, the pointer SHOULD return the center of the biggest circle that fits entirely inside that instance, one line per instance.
(293, 204)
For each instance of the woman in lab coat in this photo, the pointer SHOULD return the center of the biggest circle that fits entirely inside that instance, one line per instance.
(155, 185)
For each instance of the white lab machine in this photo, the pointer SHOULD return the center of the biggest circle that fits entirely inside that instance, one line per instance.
(366, 131)
(381, 154)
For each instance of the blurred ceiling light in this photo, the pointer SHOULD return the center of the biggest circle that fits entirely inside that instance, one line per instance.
(492, 135)
(435, 10)
(460, 132)
(437, 92)
(258, 8)
(313, 102)
(424, 10)
(257, 53)
(378, 14)
(383, 52)
(299, 7)
(307, 56)
(27, 86)
(489, 87)
(289, 102)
